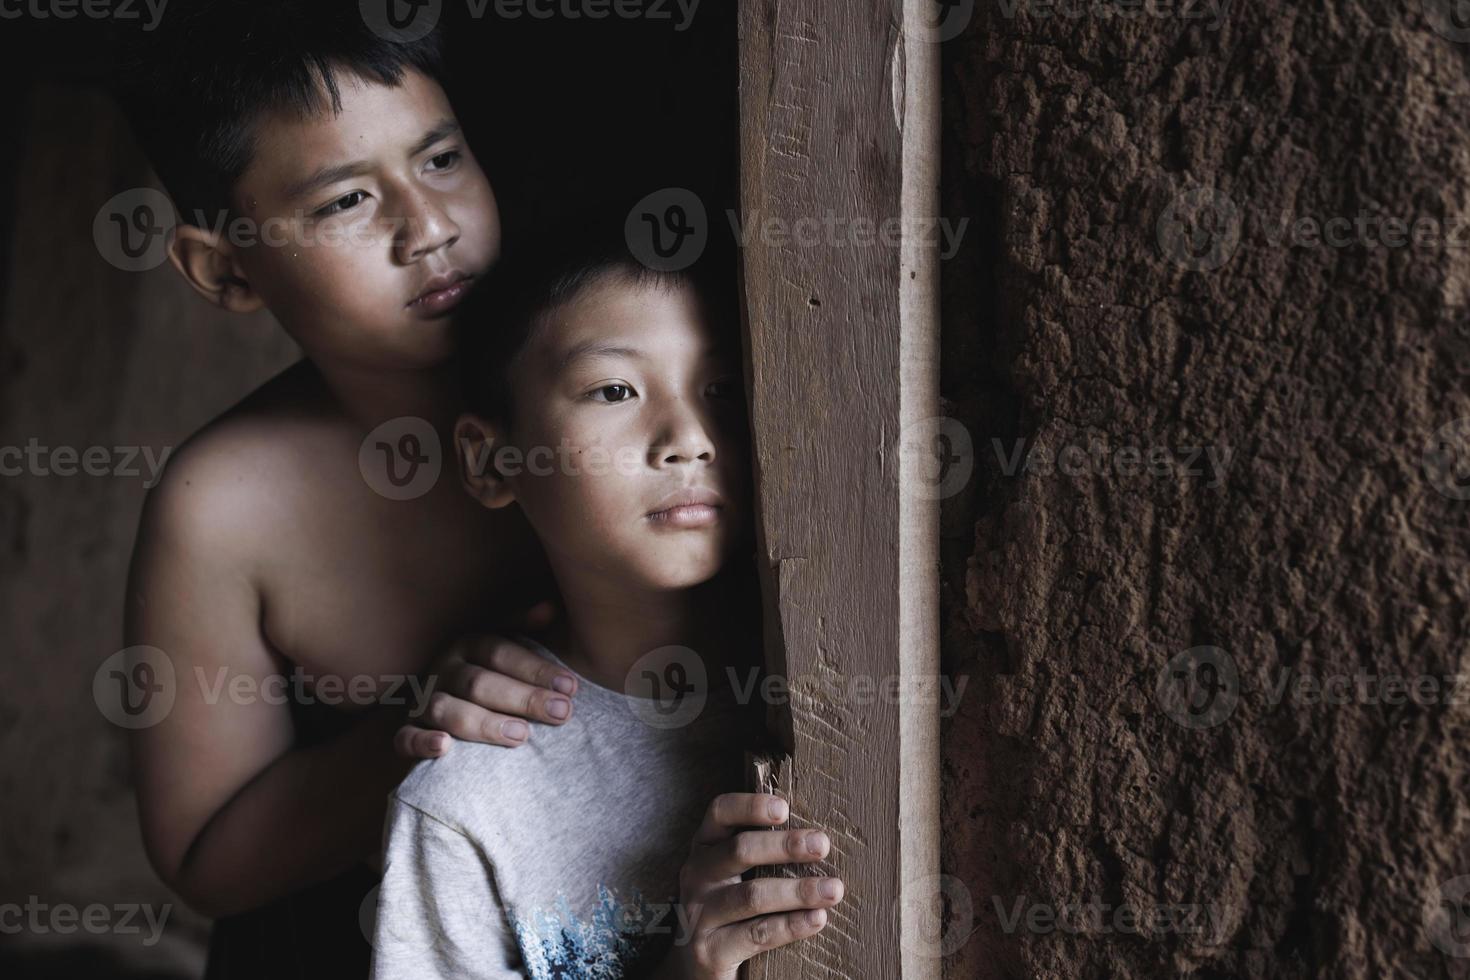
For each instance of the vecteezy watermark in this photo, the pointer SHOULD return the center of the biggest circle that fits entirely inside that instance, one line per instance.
(1199, 688)
(1199, 229)
(940, 454)
(118, 10)
(405, 21)
(300, 686)
(833, 230)
(34, 459)
(933, 21)
(1447, 916)
(39, 918)
(402, 458)
(386, 926)
(1369, 688)
(565, 459)
(1211, 12)
(859, 690)
(1447, 459)
(938, 916)
(1366, 229)
(1449, 19)
(137, 688)
(133, 229)
(1212, 463)
(1202, 228)
(668, 230)
(1096, 917)
(667, 687)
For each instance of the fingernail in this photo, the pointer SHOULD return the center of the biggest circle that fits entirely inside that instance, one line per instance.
(440, 743)
(778, 810)
(515, 730)
(558, 708)
(563, 684)
(829, 888)
(815, 842)
(816, 917)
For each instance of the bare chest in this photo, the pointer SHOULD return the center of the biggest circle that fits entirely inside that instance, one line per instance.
(372, 591)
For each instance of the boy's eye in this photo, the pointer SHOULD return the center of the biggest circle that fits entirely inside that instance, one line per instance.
(611, 393)
(445, 160)
(724, 388)
(345, 203)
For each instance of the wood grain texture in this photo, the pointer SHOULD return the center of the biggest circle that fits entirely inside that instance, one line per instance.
(839, 133)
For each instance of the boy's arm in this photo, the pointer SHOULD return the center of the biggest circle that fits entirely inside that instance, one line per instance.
(439, 914)
(232, 815)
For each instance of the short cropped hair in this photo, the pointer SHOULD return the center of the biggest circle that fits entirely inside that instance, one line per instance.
(194, 87)
(551, 265)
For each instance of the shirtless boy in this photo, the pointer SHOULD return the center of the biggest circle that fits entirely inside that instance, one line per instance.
(265, 551)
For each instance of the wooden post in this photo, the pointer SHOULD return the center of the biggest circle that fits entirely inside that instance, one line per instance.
(839, 181)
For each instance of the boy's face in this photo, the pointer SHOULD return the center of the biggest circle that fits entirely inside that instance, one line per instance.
(372, 208)
(642, 477)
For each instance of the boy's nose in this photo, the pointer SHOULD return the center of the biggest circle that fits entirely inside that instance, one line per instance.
(686, 439)
(426, 230)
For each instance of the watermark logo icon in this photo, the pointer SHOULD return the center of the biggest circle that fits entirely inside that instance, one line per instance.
(401, 21)
(938, 20)
(1200, 229)
(402, 458)
(1450, 19)
(1447, 917)
(943, 453)
(1447, 459)
(668, 687)
(132, 230)
(668, 230)
(938, 913)
(1200, 687)
(135, 688)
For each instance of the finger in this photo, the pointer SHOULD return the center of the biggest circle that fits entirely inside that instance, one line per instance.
(757, 848)
(739, 942)
(506, 657)
(472, 723)
(413, 742)
(503, 693)
(767, 896)
(729, 812)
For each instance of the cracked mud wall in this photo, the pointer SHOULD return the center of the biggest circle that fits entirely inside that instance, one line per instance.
(1142, 278)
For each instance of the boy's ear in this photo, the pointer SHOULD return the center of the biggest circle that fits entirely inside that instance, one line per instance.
(208, 263)
(475, 442)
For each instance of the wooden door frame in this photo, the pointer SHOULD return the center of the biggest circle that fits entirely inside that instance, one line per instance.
(839, 116)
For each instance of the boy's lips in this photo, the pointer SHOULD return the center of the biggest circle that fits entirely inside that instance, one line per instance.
(693, 507)
(441, 294)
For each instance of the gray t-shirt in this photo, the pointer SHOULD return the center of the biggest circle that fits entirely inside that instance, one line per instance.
(558, 859)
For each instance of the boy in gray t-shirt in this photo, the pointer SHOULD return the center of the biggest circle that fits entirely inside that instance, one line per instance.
(607, 406)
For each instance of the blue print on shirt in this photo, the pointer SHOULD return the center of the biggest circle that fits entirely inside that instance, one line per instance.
(556, 945)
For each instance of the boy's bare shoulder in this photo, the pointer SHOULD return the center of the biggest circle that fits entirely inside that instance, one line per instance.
(252, 467)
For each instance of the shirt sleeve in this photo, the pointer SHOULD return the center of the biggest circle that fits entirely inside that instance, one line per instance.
(439, 912)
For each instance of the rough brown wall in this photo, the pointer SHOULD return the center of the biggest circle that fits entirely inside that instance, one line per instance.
(1104, 300)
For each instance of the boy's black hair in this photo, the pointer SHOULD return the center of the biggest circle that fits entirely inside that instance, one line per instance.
(553, 263)
(194, 87)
